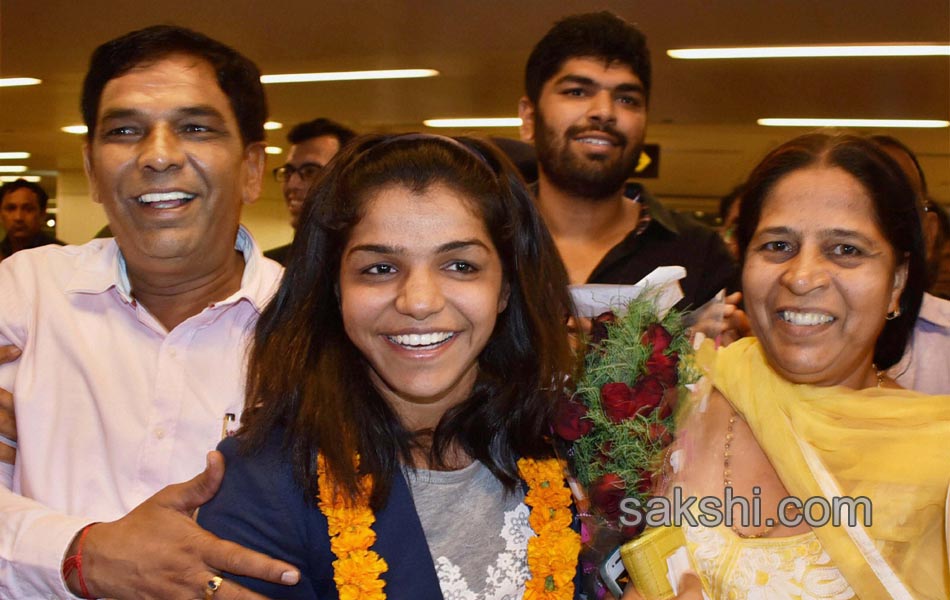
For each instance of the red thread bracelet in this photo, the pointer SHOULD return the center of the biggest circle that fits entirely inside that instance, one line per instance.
(74, 562)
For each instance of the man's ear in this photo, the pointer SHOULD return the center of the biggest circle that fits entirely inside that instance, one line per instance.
(254, 161)
(526, 112)
(90, 175)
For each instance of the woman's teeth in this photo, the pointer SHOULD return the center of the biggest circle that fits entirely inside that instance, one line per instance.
(809, 318)
(421, 340)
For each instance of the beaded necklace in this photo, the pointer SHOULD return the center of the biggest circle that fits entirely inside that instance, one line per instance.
(552, 552)
(879, 374)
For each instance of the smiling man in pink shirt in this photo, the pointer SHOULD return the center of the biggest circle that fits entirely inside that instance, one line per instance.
(132, 358)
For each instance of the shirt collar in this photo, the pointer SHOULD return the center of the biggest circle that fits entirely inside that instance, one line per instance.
(658, 213)
(935, 310)
(104, 268)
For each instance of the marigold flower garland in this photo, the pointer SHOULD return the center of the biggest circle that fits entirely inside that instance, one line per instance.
(357, 569)
(552, 552)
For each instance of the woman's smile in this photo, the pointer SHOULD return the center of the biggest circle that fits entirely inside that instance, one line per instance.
(421, 287)
(819, 278)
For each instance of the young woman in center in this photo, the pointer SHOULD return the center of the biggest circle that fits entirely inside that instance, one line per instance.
(401, 387)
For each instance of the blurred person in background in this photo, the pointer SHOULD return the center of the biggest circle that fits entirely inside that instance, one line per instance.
(941, 284)
(313, 144)
(22, 214)
(925, 365)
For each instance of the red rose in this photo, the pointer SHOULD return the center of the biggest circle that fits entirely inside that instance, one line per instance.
(617, 400)
(607, 493)
(663, 367)
(622, 402)
(657, 336)
(569, 420)
(598, 327)
(648, 393)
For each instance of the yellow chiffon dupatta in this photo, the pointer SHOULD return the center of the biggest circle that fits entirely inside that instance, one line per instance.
(891, 446)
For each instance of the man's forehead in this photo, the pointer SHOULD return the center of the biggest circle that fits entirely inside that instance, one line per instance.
(161, 73)
(318, 150)
(179, 57)
(596, 67)
(20, 196)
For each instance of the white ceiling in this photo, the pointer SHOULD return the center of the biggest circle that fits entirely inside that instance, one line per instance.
(702, 112)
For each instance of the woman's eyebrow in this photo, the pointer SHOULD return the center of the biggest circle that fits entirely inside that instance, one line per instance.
(398, 250)
(461, 244)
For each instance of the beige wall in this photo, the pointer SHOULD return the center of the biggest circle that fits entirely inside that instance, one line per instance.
(78, 218)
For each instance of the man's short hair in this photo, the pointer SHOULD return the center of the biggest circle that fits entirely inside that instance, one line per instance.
(238, 77)
(318, 128)
(19, 184)
(601, 35)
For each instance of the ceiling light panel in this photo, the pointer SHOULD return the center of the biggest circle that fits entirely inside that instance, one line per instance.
(349, 76)
(829, 51)
(909, 123)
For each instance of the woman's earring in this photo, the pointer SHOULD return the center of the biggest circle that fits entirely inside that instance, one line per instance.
(893, 315)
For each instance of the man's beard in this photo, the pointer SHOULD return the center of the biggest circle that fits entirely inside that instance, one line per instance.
(593, 178)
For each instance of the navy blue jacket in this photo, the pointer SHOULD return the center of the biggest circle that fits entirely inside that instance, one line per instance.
(261, 507)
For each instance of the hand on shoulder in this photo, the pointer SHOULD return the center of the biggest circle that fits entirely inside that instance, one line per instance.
(157, 551)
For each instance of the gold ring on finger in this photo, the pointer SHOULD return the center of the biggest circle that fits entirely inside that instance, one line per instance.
(213, 585)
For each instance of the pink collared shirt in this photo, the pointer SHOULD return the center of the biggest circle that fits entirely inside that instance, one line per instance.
(925, 366)
(110, 406)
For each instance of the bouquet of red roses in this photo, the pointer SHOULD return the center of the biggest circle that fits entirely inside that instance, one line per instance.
(619, 424)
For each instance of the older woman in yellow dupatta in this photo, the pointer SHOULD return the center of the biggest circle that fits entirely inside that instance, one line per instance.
(889, 445)
(832, 276)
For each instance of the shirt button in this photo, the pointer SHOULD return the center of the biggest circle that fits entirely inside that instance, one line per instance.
(160, 433)
(173, 353)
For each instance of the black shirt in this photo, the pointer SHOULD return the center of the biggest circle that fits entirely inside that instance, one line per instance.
(40, 239)
(670, 239)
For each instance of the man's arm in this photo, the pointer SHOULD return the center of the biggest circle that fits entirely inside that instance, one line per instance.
(7, 418)
(156, 551)
(7, 423)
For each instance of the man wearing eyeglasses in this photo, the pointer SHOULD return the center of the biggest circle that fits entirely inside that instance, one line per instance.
(313, 144)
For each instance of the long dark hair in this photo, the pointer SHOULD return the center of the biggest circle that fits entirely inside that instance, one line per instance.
(894, 207)
(307, 377)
